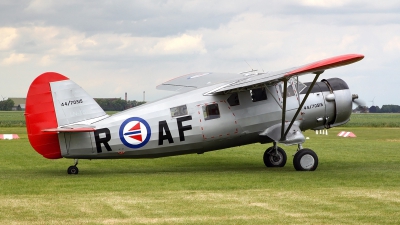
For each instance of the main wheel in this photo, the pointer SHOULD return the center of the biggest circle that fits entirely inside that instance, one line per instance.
(305, 160)
(73, 170)
(274, 158)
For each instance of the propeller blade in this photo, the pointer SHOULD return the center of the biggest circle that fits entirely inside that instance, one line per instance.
(359, 102)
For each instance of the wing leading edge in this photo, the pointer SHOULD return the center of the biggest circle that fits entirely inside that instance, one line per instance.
(271, 78)
(231, 82)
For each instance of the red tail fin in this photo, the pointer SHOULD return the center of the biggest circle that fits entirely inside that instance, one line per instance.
(40, 114)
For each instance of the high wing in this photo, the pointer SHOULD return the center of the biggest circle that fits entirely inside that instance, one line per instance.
(193, 81)
(232, 82)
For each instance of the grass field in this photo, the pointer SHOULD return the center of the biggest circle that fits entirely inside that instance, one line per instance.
(12, 119)
(357, 182)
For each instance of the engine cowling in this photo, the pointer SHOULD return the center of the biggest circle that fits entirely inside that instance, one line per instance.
(328, 105)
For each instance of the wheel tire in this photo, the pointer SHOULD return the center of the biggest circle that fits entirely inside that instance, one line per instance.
(274, 160)
(305, 160)
(73, 170)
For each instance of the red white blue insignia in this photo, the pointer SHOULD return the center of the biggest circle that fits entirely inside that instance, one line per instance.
(134, 132)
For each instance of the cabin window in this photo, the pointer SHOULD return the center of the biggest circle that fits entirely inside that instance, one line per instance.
(179, 111)
(211, 112)
(258, 94)
(233, 99)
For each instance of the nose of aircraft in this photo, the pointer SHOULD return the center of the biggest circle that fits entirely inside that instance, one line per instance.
(343, 100)
(335, 97)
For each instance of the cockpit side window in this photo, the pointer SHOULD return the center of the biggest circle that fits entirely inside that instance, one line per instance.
(258, 94)
(233, 99)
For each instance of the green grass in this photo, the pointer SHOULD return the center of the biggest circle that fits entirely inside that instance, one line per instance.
(12, 119)
(374, 120)
(357, 182)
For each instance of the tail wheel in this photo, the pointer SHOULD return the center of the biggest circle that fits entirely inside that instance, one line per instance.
(274, 158)
(73, 170)
(305, 160)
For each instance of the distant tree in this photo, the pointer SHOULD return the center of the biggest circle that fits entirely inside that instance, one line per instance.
(374, 109)
(134, 103)
(116, 104)
(390, 109)
(6, 105)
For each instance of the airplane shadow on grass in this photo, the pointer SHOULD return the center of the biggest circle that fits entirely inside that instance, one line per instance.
(156, 166)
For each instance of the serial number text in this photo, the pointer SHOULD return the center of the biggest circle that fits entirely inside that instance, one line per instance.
(72, 102)
(312, 106)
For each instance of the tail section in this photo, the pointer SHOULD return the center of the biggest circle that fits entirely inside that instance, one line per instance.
(54, 101)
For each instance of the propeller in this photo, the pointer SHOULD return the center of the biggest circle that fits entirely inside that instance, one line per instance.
(359, 102)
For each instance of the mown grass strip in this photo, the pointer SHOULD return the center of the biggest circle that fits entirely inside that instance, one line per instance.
(357, 182)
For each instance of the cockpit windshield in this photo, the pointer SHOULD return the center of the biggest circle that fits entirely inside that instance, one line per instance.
(297, 85)
(292, 84)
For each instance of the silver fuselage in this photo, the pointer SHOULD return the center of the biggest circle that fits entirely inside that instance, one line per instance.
(237, 124)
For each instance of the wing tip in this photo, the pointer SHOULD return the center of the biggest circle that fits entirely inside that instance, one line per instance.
(328, 63)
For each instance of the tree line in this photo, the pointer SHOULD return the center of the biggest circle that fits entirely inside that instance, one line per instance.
(377, 109)
(385, 109)
(117, 104)
(6, 105)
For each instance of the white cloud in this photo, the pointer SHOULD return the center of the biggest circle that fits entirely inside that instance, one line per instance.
(7, 36)
(184, 44)
(45, 60)
(393, 44)
(15, 59)
(40, 6)
(325, 3)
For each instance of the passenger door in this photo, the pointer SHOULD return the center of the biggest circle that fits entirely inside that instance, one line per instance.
(217, 120)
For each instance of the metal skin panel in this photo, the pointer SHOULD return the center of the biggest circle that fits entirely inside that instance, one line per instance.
(73, 104)
(227, 118)
(76, 143)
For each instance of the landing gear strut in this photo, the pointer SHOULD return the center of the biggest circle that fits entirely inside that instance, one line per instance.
(73, 169)
(274, 156)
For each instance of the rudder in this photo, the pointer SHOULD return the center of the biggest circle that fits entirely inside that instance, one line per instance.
(53, 101)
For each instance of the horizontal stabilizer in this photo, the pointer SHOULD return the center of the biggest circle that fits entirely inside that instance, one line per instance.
(72, 128)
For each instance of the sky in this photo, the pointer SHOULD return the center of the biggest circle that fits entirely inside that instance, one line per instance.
(112, 47)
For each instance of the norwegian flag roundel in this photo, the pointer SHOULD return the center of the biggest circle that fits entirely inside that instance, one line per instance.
(134, 132)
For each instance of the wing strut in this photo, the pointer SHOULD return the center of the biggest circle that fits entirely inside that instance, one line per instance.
(283, 134)
(284, 109)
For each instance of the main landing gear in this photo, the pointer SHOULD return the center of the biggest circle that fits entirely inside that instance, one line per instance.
(304, 160)
(73, 169)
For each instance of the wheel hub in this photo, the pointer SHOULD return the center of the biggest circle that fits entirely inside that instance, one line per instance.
(307, 161)
(276, 158)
